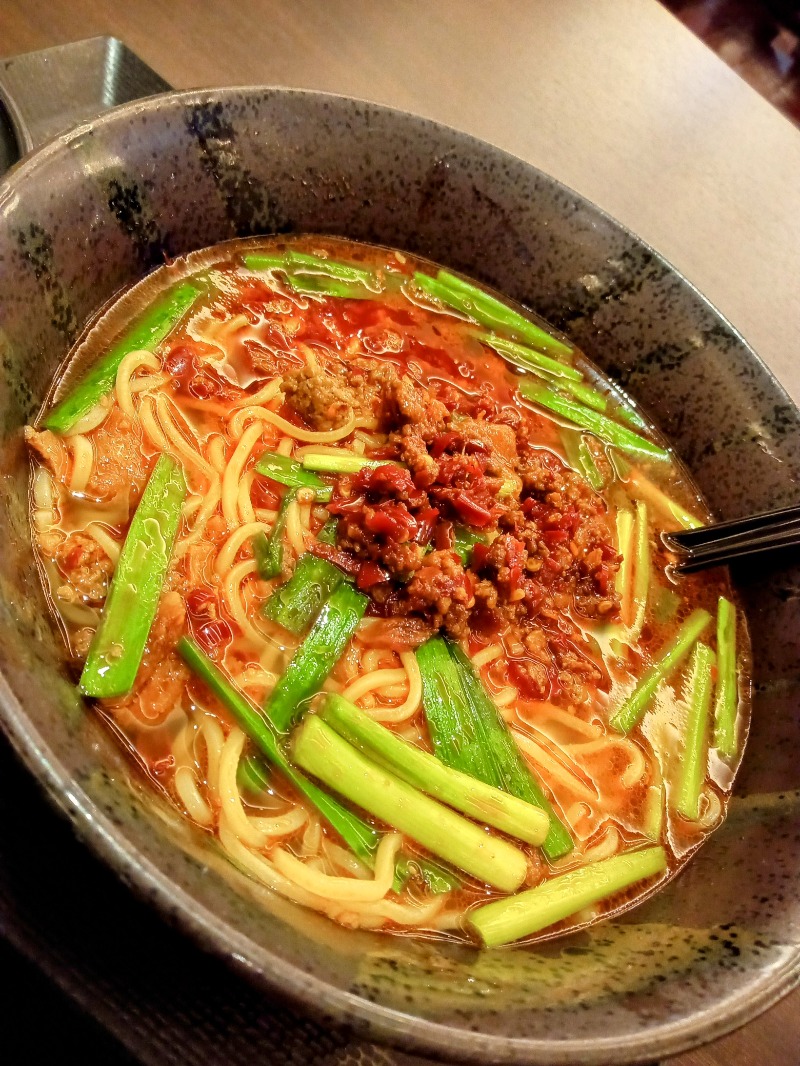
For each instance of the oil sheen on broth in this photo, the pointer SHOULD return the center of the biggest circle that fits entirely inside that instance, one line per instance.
(306, 509)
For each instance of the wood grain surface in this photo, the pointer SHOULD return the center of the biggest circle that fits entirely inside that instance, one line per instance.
(613, 97)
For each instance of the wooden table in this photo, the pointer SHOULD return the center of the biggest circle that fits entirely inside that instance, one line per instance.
(613, 97)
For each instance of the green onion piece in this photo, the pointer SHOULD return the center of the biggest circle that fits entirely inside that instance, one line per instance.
(641, 577)
(654, 811)
(327, 535)
(516, 775)
(316, 656)
(359, 836)
(318, 750)
(117, 646)
(597, 423)
(464, 540)
(289, 472)
(315, 283)
(474, 798)
(252, 775)
(505, 920)
(434, 877)
(627, 413)
(295, 604)
(490, 311)
(693, 761)
(581, 458)
(469, 734)
(268, 548)
(345, 463)
(676, 650)
(158, 322)
(727, 690)
(664, 505)
(623, 581)
(263, 261)
(302, 261)
(528, 359)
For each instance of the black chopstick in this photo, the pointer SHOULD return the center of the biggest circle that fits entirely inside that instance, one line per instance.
(726, 542)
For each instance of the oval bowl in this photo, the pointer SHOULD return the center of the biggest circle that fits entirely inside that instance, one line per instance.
(100, 206)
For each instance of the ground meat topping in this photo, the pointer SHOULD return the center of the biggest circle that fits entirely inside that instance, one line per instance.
(459, 459)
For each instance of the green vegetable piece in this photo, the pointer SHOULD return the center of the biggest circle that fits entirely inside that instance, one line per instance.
(676, 650)
(593, 421)
(303, 262)
(318, 750)
(344, 463)
(357, 834)
(268, 548)
(316, 656)
(528, 359)
(642, 488)
(297, 603)
(581, 458)
(158, 322)
(327, 535)
(695, 747)
(490, 311)
(252, 775)
(427, 773)
(323, 286)
(641, 576)
(264, 261)
(469, 735)
(727, 700)
(435, 877)
(464, 540)
(289, 472)
(506, 920)
(117, 647)
(516, 776)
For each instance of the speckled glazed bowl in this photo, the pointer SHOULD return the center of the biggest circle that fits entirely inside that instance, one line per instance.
(96, 209)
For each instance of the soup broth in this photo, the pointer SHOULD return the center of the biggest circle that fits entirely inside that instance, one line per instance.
(332, 536)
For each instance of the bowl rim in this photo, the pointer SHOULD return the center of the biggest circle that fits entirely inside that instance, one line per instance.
(368, 1020)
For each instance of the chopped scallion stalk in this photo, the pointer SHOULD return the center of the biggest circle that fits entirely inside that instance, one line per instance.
(316, 656)
(641, 576)
(593, 421)
(527, 358)
(581, 458)
(676, 650)
(295, 604)
(469, 734)
(289, 472)
(320, 751)
(490, 311)
(695, 746)
(117, 647)
(149, 331)
(726, 703)
(644, 489)
(252, 775)
(472, 797)
(344, 463)
(510, 919)
(268, 548)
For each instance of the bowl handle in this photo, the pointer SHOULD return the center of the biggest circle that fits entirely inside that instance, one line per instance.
(46, 92)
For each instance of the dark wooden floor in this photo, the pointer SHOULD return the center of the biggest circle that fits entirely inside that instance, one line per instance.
(759, 39)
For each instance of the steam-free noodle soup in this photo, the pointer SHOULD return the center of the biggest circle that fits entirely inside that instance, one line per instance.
(364, 567)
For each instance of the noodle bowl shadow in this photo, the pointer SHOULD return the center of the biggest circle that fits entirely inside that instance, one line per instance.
(95, 210)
